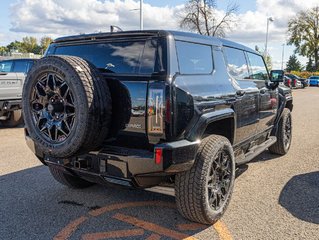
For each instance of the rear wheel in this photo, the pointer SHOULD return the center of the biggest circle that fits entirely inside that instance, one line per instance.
(204, 192)
(67, 179)
(284, 134)
(15, 119)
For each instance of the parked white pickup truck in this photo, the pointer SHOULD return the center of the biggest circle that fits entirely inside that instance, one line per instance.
(12, 76)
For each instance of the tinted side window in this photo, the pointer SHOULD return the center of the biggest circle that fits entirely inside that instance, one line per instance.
(194, 58)
(236, 63)
(6, 66)
(257, 67)
(20, 66)
(127, 57)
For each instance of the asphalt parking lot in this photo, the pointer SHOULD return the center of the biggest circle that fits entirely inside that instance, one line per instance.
(274, 198)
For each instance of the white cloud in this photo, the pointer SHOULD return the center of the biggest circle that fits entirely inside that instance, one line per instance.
(64, 17)
(61, 17)
(252, 25)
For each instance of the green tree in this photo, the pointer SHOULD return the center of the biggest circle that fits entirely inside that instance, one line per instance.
(309, 66)
(45, 42)
(267, 57)
(293, 64)
(30, 45)
(200, 16)
(3, 50)
(303, 31)
(15, 46)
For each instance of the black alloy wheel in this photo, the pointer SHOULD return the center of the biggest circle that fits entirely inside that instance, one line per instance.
(219, 180)
(284, 134)
(53, 107)
(288, 132)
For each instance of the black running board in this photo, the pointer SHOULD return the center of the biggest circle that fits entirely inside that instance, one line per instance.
(255, 151)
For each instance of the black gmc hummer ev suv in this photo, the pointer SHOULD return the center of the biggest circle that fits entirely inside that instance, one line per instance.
(142, 108)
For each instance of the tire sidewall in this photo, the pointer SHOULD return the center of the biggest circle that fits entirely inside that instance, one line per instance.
(285, 116)
(224, 145)
(57, 66)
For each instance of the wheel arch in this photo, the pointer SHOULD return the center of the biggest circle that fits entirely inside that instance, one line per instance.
(221, 122)
(289, 105)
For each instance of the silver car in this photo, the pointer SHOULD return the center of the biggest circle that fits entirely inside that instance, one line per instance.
(12, 76)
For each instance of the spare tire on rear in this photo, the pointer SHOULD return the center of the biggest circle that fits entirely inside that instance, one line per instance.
(66, 106)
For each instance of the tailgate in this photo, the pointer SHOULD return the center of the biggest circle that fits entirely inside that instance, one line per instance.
(11, 85)
(138, 112)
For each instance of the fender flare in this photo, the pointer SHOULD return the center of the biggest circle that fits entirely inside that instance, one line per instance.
(199, 128)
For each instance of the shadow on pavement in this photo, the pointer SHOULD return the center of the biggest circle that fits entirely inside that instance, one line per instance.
(265, 156)
(34, 206)
(300, 197)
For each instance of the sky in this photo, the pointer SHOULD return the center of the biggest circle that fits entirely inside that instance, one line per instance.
(54, 18)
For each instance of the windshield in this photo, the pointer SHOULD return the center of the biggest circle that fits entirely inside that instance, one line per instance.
(126, 57)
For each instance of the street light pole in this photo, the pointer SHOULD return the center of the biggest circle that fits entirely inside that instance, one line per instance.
(269, 19)
(282, 56)
(141, 15)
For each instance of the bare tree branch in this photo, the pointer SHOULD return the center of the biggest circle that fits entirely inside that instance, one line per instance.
(201, 16)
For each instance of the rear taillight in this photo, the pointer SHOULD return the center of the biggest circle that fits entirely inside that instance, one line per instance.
(155, 111)
(158, 155)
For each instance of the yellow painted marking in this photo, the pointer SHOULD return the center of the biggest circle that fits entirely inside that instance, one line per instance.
(66, 232)
(222, 231)
(150, 226)
(113, 234)
(158, 230)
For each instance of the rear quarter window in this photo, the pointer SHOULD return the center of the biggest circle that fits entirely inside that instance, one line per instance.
(194, 58)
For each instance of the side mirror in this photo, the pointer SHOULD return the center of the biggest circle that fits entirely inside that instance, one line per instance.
(277, 76)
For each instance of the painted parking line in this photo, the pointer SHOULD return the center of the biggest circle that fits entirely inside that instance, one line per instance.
(150, 226)
(154, 237)
(190, 226)
(70, 228)
(157, 230)
(113, 234)
(222, 231)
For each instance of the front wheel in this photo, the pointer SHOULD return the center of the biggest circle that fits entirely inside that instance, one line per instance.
(204, 192)
(284, 134)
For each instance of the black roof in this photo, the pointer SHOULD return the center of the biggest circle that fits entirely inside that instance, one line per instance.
(175, 34)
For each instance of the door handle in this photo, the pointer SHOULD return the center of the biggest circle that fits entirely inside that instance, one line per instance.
(240, 93)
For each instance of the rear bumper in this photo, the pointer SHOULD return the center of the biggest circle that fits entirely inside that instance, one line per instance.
(128, 164)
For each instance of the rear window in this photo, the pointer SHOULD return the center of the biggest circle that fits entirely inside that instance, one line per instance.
(125, 57)
(6, 66)
(22, 66)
